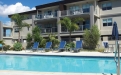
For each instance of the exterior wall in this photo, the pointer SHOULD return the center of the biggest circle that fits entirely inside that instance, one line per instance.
(107, 30)
(116, 6)
(8, 41)
(1, 31)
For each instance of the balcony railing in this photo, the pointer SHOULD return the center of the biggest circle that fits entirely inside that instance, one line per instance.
(81, 28)
(6, 35)
(74, 12)
(46, 16)
(49, 30)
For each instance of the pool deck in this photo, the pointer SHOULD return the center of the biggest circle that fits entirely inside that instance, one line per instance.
(44, 73)
(90, 54)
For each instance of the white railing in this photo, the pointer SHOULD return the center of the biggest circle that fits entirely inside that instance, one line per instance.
(6, 35)
(81, 28)
(46, 16)
(74, 12)
(49, 30)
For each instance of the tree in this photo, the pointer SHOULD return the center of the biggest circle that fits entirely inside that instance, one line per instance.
(52, 38)
(18, 19)
(91, 37)
(36, 34)
(70, 24)
(29, 40)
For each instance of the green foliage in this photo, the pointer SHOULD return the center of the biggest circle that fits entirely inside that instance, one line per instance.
(6, 47)
(36, 34)
(100, 50)
(17, 46)
(52, 38)
(2, 42)
(42, 43)
(29, 41)
(91, 37)
(70, 45)
(29, 37)
(70, 24)
(18, 19)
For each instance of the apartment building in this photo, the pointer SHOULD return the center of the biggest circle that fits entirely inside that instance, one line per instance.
(99, 12)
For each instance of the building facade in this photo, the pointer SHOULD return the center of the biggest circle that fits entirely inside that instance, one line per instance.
(99, 12)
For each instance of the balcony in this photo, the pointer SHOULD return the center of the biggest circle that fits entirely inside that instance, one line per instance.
(81, 28)
(7, 26)
(75, 12)
(46, 16)
(49, 30)
(5, 35)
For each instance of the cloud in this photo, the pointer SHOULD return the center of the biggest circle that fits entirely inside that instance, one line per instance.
(7, 23)
(13, 8)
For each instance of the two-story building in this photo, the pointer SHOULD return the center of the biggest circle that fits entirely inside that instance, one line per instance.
(99, 12)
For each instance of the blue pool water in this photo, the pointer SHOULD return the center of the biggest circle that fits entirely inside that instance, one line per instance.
(57, 64)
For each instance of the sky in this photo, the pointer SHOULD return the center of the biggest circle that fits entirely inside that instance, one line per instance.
(8, 7)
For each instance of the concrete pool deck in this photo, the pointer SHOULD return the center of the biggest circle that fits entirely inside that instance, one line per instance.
(44, 73)
(92, 54)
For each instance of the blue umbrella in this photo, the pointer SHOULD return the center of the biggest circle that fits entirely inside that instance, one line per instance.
(115, 33)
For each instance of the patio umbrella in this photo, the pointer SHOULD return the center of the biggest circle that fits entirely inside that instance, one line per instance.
(115, 34)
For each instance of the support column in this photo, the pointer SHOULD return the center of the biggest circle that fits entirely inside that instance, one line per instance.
(1, 31)
(58, 24)
(95, 7)
(33, 23)
(92, 15)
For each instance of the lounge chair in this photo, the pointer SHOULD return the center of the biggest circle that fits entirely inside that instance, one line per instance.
(48, 46)
(106, 46)
(35, 46)
(61, 45)
(78, 46)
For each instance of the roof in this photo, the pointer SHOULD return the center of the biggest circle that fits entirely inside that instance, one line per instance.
(51, 4)
(28, 12)
(56, 3)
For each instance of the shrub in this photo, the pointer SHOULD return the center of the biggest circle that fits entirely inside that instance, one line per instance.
(91, 38)
(17, 46)
(42, 43)
(6, 47)
(100, 50)
(70, 45)
(11, 48)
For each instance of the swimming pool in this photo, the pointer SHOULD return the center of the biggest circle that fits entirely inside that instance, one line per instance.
(58, 64)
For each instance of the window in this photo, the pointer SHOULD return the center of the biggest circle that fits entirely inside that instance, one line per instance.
(16, 29)
(111, 38)
(86, 8)
(107, 6)
(48, 12)
(107, 22)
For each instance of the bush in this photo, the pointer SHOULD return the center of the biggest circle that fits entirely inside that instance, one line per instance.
(11, 48)
(91, 38)
(70, 45)
(6, 47)
(100, 50)
(17, 46)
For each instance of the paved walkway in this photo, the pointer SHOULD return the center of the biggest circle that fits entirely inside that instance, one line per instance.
(61, 53)
(44, 73)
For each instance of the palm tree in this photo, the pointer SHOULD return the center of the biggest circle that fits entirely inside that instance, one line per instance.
(70, 24)
(18, 19)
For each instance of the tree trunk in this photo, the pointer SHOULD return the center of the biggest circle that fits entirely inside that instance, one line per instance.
(70, 37)
(19, 36)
